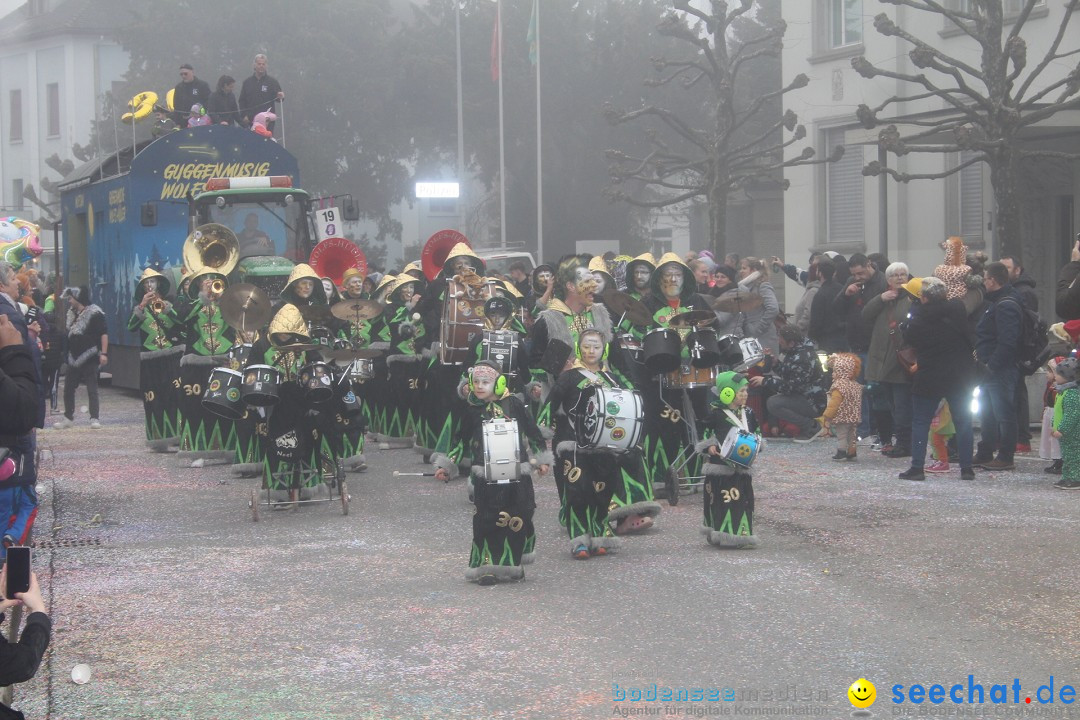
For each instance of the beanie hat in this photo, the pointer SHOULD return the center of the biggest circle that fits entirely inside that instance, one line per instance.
(81, 294)
(1067, 369)
(485, 370)
(499, 306)
(730, 380)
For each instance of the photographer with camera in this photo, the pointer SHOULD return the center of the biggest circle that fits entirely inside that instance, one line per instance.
(20, 661)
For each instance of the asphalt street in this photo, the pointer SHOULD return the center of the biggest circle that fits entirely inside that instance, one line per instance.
(184, 608)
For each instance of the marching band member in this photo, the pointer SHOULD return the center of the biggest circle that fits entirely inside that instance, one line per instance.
(292, 437)
(604, 279)
(440, 413)
(729, 489)
(672, 291)
(638, 275)
(249, 429)
(204, 435)
(303, 288)
(159, 360)
(593, 479)
(377, 397)
(352, 285)
(513, 361)
(570, 311)
(402, 332)
(504, 539)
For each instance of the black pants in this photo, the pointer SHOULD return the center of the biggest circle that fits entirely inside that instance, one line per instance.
(86, 374)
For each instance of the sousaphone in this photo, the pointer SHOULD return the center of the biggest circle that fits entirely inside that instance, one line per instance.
(211, 248)
(333, 256)
(437, 248)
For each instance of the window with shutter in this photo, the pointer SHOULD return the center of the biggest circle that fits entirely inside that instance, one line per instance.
(844, 189)
(971, 200)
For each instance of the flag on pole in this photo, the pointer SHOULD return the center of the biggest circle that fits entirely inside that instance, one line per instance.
(530, 36)
(495, 59)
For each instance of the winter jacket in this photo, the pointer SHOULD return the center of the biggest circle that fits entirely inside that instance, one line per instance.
(1025, 288)
(223, 108)
(884, 318)
(20, 661)
(19, 396)
(827, 328)
(84, 335)
(802, 308)
(799, 374)
(939, 333)
(186, 94)
(851, 307)
(759, 322)
(845, 395)
(997, 336)
(1067, 300)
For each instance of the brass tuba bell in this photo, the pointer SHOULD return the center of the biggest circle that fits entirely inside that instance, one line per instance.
(211, 247)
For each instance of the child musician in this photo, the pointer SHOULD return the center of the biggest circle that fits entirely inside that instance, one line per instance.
(504, 539)
(591, 480)
(729, 489)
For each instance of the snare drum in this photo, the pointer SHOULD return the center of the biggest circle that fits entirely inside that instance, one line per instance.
(663, 350)
(751, 352)
(502, 450)
(687, 376)
(740, 447)
(608, 418)
(322, 336)
(239, 356)
(703, 348)
(222, 396)
(262, 384)
(317, 382)
(361, 370)
(500, 347)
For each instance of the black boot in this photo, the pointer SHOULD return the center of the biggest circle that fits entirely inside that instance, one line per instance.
(1054, 469)
(840, 455)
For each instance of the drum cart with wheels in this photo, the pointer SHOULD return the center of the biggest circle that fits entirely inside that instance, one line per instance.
(301, 474)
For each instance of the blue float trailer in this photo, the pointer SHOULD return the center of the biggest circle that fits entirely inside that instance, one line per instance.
(122, 214)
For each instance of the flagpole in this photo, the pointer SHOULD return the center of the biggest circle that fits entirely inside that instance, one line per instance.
(539, 145)
(462, 209)
(502, 144)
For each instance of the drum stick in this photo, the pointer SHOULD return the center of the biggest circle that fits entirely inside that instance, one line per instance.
(398, 473)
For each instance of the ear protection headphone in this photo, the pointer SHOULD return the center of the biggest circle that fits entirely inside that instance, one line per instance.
(728, 393)
(500, 383)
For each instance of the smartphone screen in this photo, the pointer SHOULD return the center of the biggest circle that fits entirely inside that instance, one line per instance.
(18, 570)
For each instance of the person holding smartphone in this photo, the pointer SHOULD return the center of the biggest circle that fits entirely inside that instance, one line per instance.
(20, 661)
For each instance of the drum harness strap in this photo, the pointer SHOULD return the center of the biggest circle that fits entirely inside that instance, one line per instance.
(739, 421)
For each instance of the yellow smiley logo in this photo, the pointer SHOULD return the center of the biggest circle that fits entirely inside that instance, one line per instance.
(862, 693)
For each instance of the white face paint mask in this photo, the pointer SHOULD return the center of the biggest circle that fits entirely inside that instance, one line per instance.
(600, 283)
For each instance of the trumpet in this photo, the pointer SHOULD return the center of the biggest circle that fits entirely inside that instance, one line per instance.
(157, 306)
(217, 287)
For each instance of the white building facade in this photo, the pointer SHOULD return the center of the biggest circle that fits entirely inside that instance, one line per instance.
(835, 207)
(57, 62)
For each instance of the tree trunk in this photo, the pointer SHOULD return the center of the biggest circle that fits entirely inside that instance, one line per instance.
(1004, 176)
(718, 223)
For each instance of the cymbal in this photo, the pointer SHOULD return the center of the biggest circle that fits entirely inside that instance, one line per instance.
(357, 310)
(245, 307)
(737, 300)
(622, 303)
(691, 319)
(347, 354)
(315, 313)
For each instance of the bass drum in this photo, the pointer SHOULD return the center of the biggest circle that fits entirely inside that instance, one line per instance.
(608, 418)
(462, 321)
(663, 350)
